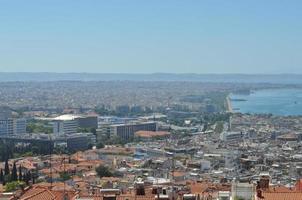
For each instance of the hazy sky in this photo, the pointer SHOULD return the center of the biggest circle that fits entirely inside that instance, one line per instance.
(146, 36)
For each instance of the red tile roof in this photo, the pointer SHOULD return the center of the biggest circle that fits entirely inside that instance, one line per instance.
(43, 193)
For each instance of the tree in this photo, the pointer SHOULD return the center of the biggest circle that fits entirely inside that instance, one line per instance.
(90, 146)
(103, 171)
(20, 173)
(65, 176)
(1, 176)
(27, 177)
(14, 176)
(100, 145)
(6, 168)
(93, 130)
(34, 176)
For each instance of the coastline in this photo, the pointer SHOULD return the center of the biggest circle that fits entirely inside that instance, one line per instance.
(229, 105)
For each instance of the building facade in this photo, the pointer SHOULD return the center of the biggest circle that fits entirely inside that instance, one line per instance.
(88, 121)
(61, 127)
(126, 131)
(19, 126)
(6, 127)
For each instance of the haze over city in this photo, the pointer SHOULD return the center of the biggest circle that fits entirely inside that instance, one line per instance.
(151, 36)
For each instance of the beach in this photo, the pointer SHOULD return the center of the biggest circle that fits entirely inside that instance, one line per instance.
(229, 105)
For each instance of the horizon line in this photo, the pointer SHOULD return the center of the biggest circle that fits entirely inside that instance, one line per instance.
(153, 73)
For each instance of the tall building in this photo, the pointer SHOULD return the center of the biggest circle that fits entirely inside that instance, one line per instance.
(61, 127)
(80, 141)
(5, 112)
(6, 126)
(9, 125)
(19, 126)
(126, 131)
(68, 124)
(231, 136)
(103, 132)
(87, 121)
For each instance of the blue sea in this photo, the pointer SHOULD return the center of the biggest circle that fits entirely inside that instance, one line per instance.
(281, 102)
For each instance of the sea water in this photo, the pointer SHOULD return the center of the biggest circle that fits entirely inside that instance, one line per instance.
(269, 101)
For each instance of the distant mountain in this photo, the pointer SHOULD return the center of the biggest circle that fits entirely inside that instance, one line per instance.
(235, 78)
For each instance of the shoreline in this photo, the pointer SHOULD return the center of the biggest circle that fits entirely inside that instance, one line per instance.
(229, 104)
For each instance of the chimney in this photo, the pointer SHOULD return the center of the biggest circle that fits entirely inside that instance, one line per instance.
(140, 190)
(259, 194)
(263, 183)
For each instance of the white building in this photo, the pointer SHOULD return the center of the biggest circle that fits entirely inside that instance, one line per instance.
(126, 131)
(61, 127)
(205, 165)
(244, 191)
(231, 136)
(224, 195)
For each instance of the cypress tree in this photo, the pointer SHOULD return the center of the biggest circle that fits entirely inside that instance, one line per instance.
(6, 168)
(14, 173)
(24, 177)
(1, 176)
(27, 177)
(34, 178)
(20, 173)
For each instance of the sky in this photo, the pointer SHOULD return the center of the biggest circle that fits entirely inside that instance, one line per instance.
(151, 36)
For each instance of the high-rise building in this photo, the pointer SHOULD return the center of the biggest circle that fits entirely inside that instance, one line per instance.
(19, 126)
(10, 125)
(87, 121)
(126, 131)
(6, 127)
(68, 124)
(65, 127)
(77, 142)
(5, 112)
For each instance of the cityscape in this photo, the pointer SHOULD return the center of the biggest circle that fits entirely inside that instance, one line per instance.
(155, 140)
(150, 100)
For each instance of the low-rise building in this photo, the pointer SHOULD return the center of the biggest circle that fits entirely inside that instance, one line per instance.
(149, 135)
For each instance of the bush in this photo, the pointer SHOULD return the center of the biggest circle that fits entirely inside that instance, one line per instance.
(100, 145)
(12, 186)
(65, 176)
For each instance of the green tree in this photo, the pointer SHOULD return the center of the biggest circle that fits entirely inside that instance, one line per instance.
(6, 168)
(14, 176)
(20, 173)
(38, 127)
(1, 176)
(27, 177)
(93, 130)
(103, 171)
(100, 145)
(65, 176)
